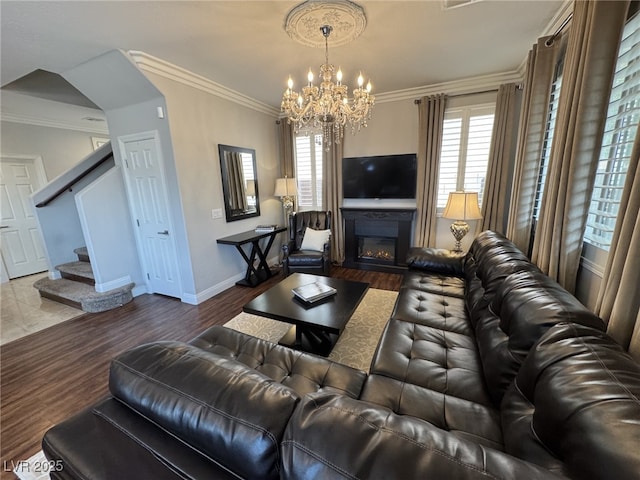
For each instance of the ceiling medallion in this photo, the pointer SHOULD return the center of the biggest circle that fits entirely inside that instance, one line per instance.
(304, 21)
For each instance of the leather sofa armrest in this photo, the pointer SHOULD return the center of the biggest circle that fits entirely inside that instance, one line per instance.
(217, 405)
(381, 444)
(436, 260)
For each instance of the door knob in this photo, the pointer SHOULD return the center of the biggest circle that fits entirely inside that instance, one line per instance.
(164, 232)
(4, 226)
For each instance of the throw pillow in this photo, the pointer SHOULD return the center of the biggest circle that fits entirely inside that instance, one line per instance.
(315, 239)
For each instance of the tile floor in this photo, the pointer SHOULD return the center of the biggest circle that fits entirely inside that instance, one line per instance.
(23, 311)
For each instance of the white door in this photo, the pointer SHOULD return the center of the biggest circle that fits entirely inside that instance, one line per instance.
(20, 239)
(148, 195)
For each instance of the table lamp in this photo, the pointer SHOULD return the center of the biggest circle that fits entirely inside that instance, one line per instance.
(461, 206)
(286, 189)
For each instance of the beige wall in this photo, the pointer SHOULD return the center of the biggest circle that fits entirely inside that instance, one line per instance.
(59, 148)
(199, 121)
(392, 129)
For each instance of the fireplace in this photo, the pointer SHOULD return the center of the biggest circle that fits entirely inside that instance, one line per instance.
(377, 239)
(376, 250)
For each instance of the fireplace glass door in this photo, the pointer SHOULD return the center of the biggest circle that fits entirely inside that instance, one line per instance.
(376, 249)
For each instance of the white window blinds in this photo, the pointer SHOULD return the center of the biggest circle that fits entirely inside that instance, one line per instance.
(554, 100)
(309, 171)
(466, 141)
(620, 131)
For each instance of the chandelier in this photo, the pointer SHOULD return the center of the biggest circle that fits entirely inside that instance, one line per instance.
(328, 106)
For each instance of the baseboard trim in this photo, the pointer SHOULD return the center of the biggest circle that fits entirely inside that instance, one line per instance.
(113, 284)
(214, 290)
(139, 290)
(211, 291)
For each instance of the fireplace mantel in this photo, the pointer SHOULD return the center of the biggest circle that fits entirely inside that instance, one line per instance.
(383, 223)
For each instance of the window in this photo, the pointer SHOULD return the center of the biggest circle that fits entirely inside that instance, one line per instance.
(249, 178)
(466, 140)
(308, 158)
(545, 154)
(620, 130)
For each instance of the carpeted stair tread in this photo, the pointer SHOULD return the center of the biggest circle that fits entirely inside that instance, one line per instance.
(82, 253)
(85, 295)
(77, 269)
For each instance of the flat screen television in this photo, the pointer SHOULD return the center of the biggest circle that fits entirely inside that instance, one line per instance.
(384, 176)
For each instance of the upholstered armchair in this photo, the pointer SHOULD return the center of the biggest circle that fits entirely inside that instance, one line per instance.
(313, 253)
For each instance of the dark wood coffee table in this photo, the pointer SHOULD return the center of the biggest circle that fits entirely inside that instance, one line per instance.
(316, 327)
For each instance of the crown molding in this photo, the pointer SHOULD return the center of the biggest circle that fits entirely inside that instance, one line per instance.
(550, 29)
(168, 70)
(456, 87)
(558, 18)
(46, 122)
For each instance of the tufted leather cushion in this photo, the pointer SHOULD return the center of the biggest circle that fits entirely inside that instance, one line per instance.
(382, 445)
(217, 405)
(575, 406)
(434, 283)
(435, 375)
(300, 371)
(431, 309)
(524, 307)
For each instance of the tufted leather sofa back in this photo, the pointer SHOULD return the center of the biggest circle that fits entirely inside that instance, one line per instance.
(303, 372)
(299, 221)
(221, 408)
(574, 407)
(491, 258)
(511, 304)
(524, 307)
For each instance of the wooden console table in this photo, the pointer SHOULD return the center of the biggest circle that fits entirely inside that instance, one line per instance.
(254, 276)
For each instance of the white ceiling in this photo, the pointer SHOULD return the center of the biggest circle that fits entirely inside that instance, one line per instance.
(243, 46)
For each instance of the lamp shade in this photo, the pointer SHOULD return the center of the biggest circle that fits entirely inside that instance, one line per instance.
(251, 188)
(285, 187)
(462, 206)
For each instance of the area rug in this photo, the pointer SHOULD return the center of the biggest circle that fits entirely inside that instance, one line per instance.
(358, 341)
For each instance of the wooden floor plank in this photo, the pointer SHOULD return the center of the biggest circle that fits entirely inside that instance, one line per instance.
(52, 374)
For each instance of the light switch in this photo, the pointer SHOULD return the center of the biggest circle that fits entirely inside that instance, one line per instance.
(216, 213)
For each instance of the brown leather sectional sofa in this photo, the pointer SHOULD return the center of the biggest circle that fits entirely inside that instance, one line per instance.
(487, 368)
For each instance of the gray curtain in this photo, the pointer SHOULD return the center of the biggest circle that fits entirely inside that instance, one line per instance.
(237, 192)
(285, 138)
(588, 72)
(541, 65)
(618, 301)
(495, 201)
(430, 125)
(332, 195)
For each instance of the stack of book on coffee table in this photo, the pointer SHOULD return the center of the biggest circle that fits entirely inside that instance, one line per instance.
(313, 292)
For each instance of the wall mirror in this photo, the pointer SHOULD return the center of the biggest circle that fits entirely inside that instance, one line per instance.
(239, 182)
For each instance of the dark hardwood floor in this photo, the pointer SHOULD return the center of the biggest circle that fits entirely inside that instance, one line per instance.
(50, 375)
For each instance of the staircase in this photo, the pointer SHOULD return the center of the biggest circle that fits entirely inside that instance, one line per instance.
(77, 287)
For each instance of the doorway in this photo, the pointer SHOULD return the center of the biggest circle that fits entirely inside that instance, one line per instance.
(147, 191)
(20, 239)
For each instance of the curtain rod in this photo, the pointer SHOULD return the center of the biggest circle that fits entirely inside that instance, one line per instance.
(550, 41)
(417, 100)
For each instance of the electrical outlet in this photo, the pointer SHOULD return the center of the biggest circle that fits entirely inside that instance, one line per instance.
(216, 213)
